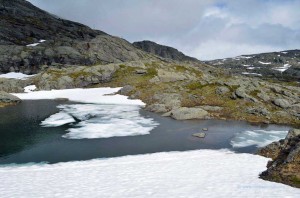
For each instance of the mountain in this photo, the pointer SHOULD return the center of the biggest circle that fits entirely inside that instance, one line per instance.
(162, 51)
(22, 23)
(284, 65)
(31, 38)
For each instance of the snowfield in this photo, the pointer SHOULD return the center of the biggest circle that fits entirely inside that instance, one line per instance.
(200, 173)
(15, 75)
(93, 95)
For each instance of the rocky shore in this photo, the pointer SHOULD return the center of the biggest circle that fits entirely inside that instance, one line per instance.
(285, 164)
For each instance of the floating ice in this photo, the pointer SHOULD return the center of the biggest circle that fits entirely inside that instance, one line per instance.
(255, 74)
(259, 138)
(58, 119)
(193, 174)
(15, 75)
(283, 68)
(29, 88)
(95, 95)
(101, 121)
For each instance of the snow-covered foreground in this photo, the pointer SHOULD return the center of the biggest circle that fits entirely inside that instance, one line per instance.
(94, 95)
(15, 75)
(201, 173)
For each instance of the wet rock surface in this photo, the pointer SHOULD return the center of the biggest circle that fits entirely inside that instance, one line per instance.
(285, 164)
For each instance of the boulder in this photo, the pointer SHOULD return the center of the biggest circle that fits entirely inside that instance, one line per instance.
(158, 108)
(8, 98)
(199, 135)
(222, 90)
(126, 90)
(258, 111)
(184, 113)
(282, 103)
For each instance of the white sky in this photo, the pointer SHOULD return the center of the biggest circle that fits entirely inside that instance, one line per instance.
(206, 29)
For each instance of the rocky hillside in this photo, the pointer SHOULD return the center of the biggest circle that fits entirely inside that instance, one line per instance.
(285, 164)
(283, 65)
(162, 51)
(31, 38)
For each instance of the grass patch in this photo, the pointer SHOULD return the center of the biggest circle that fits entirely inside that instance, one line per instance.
(194, 86)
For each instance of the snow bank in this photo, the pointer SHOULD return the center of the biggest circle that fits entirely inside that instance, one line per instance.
(255, 74)
(201, 173)
(260, 138)
(101, 121)
(36, 44)
(95, 95)
(29, 88)
(264, 63)
(15, 75)
(283, 68)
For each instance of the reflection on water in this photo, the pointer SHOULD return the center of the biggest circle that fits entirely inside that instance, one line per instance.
(23, 140)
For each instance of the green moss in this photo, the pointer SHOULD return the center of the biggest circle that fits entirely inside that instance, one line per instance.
(122, 66)
(151, 72)
(296, 180)
(194, 86)
(254, 93)
(180, 68)
(77, 74)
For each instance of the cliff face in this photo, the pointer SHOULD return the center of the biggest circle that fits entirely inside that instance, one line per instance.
(162, 51)
(31, 38)
(285, 164)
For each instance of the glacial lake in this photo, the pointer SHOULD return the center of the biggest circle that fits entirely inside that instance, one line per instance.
(24, 140)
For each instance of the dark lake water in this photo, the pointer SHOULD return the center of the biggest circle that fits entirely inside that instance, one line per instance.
(23, 140)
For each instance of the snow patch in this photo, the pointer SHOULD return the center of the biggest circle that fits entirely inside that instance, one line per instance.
(255, 74)
(259, 138)
(36, 44)
(283, 68)
(284, 52)
(193, 174)
(94, 95)
(101, 121)
(29, 88)
(264, 63)
(15, 75)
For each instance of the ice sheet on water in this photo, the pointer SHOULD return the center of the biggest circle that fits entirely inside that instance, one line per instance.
(58, 119)
(101, 121)
(259, 138)
(193, 174)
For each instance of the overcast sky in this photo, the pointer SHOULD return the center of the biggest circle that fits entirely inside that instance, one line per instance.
(205, 29)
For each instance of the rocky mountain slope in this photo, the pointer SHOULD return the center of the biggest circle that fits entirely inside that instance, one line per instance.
(31, 38)
(162, 51)
(285, 164)
(283, 65)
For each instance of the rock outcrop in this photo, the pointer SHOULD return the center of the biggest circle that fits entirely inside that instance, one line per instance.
(163, 51)
(8, 98)
(185, 113)
(285, 164)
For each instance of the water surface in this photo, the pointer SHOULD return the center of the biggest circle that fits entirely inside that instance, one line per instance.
(23, 140)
